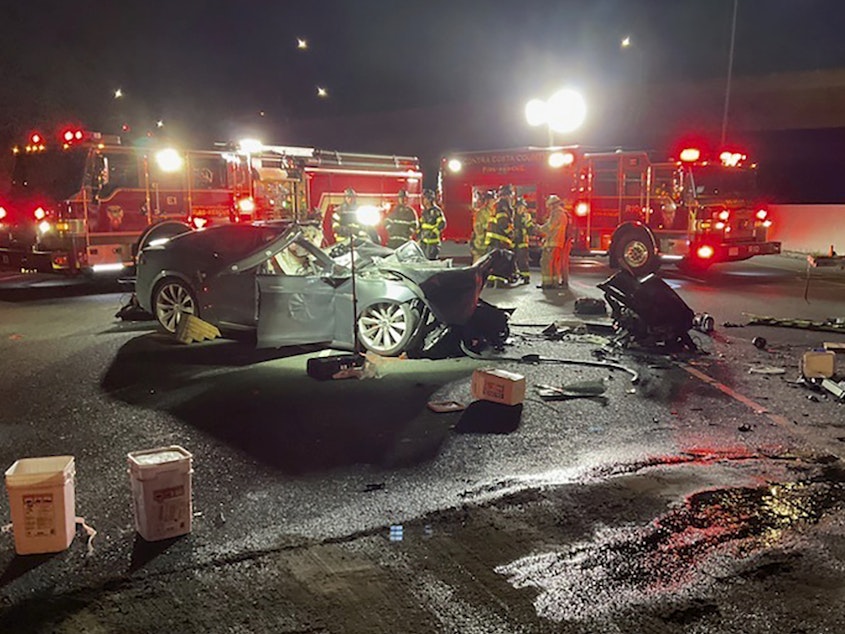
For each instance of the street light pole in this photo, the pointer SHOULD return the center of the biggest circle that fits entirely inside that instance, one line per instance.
(730, 75)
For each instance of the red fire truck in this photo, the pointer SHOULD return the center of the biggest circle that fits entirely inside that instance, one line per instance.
(80, 201)
(693, 208)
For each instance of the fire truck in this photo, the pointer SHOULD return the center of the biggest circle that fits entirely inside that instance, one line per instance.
(693, 208)
(82, 201)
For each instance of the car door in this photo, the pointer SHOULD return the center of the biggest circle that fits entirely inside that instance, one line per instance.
(295, 310)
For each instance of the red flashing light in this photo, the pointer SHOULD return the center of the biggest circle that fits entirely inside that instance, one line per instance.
(762, 214)
(705, 252)
(68, 135)
(690, 155)
(582, 209)
(199, 223)
(35, 139)
(78, 135)
(2, 213)
(724, 215)
(39, 213)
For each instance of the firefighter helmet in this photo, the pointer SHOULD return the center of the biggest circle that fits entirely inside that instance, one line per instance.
(505, 190)
(428, 194)
(349, 192)
(552, 200)
(402, 194)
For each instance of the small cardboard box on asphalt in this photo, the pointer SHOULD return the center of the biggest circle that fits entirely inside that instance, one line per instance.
(161, 492)
(818, 364)
(498, 386)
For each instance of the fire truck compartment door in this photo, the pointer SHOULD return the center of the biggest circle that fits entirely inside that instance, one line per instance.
(294, 310)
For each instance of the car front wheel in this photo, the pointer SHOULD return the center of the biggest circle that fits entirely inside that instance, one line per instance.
(172, 299)
(386, 328)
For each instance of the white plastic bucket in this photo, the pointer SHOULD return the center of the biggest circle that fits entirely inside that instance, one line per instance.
(161, 491)
(43, 503)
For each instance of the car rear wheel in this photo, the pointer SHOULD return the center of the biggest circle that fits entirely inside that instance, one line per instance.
(387, 328)
(172, 299)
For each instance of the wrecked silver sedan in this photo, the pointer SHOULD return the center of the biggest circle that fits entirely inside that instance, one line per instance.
(276, 282)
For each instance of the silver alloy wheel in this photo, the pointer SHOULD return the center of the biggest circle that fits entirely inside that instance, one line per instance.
(386, 328)
(172, 300)
(635, 254)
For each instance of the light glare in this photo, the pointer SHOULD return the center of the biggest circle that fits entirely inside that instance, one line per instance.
(168, 160)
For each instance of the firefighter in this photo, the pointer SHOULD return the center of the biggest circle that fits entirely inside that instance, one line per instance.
(345, 220)
(432, 223)
(401, 223)
(523, 228)
(554, 262)
(500, 229)
(480, 218)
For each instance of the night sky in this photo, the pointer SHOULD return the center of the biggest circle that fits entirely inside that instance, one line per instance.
(209, 70)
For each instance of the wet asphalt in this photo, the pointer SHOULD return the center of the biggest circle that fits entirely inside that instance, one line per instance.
(695, 499)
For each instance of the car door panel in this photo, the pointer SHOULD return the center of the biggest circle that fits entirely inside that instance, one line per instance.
(294, 310)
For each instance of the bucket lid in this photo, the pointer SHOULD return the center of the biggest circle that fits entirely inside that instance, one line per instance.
(32, 471)
(159, 456)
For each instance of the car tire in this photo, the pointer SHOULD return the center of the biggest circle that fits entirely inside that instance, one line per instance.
(173, 298)
(160, 231)
(633, 250)
(387, 328)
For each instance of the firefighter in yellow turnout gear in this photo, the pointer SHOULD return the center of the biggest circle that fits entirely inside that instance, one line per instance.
(554, 262)
(480, 218)
(523, 228)
(500, 229)
(432, 223)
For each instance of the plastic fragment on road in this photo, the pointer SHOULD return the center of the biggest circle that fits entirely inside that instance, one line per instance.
(192, 328)
(583, 389)
(818, 364)
(90, 531)
(498, 386)
(769, 370)
(444, 407)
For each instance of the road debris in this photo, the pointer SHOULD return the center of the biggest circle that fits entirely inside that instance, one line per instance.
(703, 322)
(766, 369)
(445, 407)
(583, 389)
(589, 306)
(487, 417)
(817, 364)
(760, 343)
(498, 386)
(832, 324)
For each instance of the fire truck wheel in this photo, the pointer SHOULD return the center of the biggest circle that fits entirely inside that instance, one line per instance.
(160, 231)
(173, 298)
(634, 251)
(387, 328)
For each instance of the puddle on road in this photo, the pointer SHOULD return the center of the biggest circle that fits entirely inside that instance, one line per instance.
(708, 536)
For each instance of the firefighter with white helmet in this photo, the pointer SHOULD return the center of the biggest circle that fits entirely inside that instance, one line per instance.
(554, 261)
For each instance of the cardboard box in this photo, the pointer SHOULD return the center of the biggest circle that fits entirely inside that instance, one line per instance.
(498, 386)
(818, 364)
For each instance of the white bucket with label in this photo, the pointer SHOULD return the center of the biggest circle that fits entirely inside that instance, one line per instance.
(43, 503)
(161, 491)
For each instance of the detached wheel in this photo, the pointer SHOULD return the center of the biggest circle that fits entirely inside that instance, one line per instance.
(634, 250)
(173, 298)
(386, 328)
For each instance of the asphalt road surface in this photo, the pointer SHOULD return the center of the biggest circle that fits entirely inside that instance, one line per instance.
(705, 497)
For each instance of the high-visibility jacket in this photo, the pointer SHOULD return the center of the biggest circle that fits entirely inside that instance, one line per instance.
(555, 228)
(479, 228)
(402, 225)
(432, 223)
(345, 222)
(523, 227)
(500, 226)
